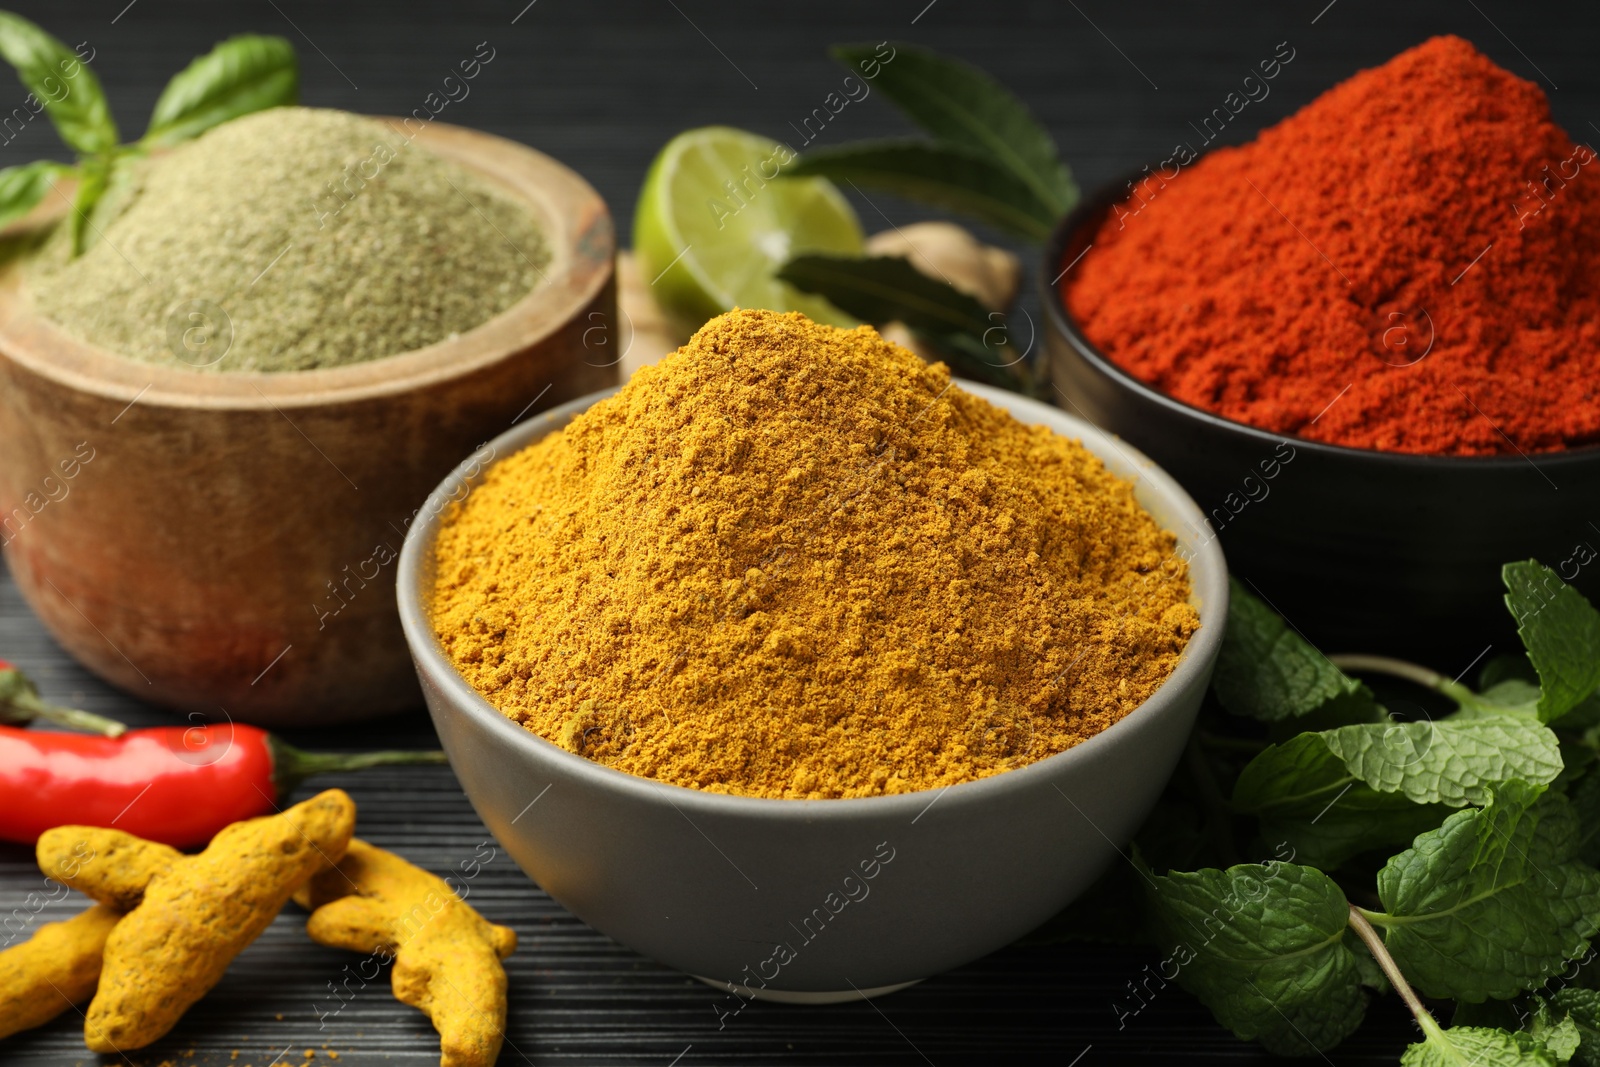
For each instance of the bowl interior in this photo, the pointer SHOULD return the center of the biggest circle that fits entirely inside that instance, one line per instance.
(570, 214)
(1064, 253)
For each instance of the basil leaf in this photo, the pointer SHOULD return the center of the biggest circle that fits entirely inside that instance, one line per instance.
(961, 105)
(1267, 671)
(1493, 902)
(23, 187)
(1305, 797)
(1472, 1046)
(60, 81)
(240, 75)
(1561, 631)
(1454, 761)
(944, 175)
(1263, 945)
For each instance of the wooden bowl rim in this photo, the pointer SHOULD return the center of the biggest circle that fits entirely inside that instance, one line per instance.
(579, 238)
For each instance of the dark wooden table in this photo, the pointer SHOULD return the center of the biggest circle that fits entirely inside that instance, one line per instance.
(602, 87)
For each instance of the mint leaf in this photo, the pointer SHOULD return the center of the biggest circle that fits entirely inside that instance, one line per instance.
(1264, 947)
(242, 74)
(1452, 761)
(1472, 1046)
(944, 175)
(1304, 795)
(23, 187)
(60, 81)
(1584, 796)
(1267, 671)
(1561, 631)
(961, 105)
(1515, 696)
(1555, 1031)
(1582, 1007)
(1493, 902)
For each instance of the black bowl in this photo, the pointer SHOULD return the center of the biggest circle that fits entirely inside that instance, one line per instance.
(1360, 550)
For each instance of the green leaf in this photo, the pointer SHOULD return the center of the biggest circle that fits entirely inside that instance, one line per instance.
(1267, 671)
(1453, 761)
(1502, 667)
(63, 83)
(972, 358)
(1472, 1046)
(1584, 796)
(1514, 696)
(943, 175)
(1304, 795)
(961, 105)
(1561, 631)
(94, 177)
(1263, 945)
(1582, 1007)
(880, 289)
(1555, 1031)
(240, 75)
(1493, 902)
(23, 187)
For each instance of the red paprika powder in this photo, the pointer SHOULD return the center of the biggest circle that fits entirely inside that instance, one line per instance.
(1410, 263)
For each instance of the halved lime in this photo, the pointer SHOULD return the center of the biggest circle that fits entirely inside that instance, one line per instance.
(715, 220)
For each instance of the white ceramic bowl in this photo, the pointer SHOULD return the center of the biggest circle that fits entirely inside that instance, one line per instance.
(819, 900)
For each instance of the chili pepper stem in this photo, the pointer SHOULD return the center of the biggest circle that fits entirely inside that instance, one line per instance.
(291, 766)
(34, 708)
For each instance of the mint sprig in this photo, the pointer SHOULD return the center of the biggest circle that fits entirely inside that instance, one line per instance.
(1454, 853)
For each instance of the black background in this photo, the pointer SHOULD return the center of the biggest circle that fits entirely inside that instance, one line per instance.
(602, 87)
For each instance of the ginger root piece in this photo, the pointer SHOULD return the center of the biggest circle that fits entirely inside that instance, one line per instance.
(447, 956)
(110, 866)
(201, 911)
(949, 253)
(57, 967)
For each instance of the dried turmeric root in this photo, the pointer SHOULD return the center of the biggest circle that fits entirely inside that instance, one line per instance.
(110, 866)
(447, 956)
(199, 912)
(56, 968)
(60, 966)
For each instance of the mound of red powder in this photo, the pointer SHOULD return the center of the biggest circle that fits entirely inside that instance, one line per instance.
(1410, 263)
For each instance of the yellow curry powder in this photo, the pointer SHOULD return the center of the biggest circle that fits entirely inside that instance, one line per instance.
(794, 561)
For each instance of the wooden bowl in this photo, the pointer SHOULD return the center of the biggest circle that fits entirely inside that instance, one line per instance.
(226, 542)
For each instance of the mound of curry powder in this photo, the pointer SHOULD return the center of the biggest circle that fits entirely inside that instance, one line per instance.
(794, 561)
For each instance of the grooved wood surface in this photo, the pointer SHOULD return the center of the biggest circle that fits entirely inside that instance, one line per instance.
(601, 87)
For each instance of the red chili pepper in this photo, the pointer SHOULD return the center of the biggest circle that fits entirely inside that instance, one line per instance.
(175, 784)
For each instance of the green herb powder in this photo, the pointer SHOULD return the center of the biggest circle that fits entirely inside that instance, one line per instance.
(292, 239)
